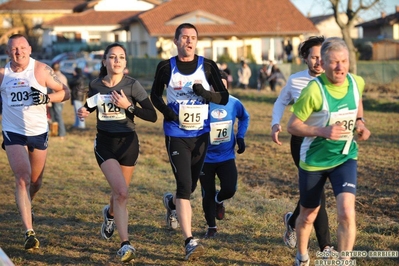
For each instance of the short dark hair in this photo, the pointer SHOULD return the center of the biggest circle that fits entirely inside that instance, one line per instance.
(305, 46)
(184, 26)
(17, 35)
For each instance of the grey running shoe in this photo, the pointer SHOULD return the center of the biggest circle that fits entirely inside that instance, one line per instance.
(330, 252)
(211, 233)
(171, 215)
(108, 226)
(31, 241)
(289, 234)
(193, 249)
(301, 263)
(127, 253)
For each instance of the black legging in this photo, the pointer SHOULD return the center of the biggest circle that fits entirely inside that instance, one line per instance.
(321, 226)
(227, 174)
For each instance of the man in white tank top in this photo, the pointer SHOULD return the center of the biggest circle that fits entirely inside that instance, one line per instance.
(23, 87)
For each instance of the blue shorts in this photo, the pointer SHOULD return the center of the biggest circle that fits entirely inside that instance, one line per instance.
(39, 142)
(343, 178)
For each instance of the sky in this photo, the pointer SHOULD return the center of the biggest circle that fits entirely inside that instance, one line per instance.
(323, 7)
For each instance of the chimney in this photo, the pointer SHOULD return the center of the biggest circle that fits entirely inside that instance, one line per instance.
(383, 14)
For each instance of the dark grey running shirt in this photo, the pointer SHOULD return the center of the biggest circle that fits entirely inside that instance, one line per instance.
(135, 94)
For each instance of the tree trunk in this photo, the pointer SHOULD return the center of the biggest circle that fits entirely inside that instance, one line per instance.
(352, 50)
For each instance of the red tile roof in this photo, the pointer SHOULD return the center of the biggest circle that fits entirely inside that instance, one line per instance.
(249, 17)
(91, 18)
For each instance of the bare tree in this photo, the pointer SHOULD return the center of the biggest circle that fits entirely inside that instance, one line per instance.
(352, 14)
(20, 23)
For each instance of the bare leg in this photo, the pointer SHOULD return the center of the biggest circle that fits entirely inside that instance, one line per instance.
(304, 225)
(346, 232)
(28, 171)
(119, 178)
(184, 213)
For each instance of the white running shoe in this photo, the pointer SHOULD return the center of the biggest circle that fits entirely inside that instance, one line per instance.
(193, 249)
(127, 253)
(289, 234)
(171, 215)
(108, 225)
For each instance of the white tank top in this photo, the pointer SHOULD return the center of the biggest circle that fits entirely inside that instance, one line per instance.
(19, 114)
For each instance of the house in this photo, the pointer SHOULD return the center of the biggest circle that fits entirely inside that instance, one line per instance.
(383, 35)
(385, 27)
(15, 14)
(246, 29)
(328, 27)
(96, 23)
(386, 50)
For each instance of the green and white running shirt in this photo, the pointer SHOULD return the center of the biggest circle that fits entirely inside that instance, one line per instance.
(322, 104)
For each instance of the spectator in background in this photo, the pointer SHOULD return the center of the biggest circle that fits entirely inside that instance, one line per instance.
(276, 78)
(56, 108)
(78, 94)
(226, 69)
(262, 77)
(288, 51)
(244, 74)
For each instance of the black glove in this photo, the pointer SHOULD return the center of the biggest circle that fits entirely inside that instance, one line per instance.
(169, 114)
(241, 145)
(39, 97)
(200, 91)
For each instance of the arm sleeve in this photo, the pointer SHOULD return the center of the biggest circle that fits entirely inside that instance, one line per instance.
(243, 120)
(161, 80)
(284, 98)
(146, 110)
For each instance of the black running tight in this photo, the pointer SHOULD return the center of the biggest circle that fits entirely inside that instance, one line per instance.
(321, 225)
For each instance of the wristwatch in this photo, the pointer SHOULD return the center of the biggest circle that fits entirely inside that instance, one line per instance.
(131, 109)
(361, 119)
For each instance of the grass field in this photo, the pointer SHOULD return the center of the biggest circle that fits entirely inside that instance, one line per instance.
(68, 207)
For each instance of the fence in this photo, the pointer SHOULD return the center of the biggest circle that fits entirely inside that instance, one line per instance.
(373, 72)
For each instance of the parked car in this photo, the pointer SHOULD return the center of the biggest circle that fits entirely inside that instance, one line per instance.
(4, 59)
(66, 56)
(90, 67)
(96, 54)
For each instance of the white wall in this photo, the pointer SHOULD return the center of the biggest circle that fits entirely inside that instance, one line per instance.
(122, 5)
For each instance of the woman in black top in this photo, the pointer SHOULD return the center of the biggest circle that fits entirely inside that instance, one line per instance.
(114, 96)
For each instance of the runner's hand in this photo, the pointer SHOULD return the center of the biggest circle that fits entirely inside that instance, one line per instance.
(169, 114)
(200, 91)
(39, 97)
(241, 145)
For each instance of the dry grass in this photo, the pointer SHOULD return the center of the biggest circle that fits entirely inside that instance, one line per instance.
(68, 207)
